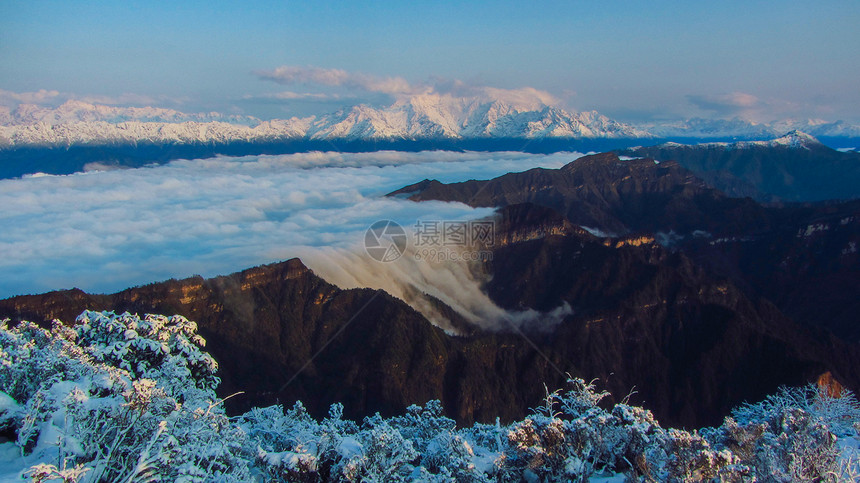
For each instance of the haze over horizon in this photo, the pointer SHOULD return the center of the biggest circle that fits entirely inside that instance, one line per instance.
(631, 61)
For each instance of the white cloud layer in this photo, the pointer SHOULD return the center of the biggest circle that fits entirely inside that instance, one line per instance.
(400, 87)
(289, 75)
(291, 96)
(37, 97)
(52, 98)
(725, 104)
(747, 106)
(106, 231)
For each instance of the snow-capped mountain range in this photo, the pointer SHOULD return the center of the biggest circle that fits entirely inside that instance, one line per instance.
(792, 139)
(444, 116)
(743, 129)
(418, 117)
(74, 111)
(425, 116)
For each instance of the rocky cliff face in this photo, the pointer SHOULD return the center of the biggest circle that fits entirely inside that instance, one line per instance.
(807, 264)
(647, 316)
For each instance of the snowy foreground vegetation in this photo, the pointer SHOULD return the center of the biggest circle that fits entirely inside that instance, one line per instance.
(124, 398)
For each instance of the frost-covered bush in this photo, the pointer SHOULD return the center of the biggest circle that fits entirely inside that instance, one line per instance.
(165, 349)
(444, 451)
(30, 358)
(572, 438)
(125, 398)
(792, 435)
(292, 446)
(841, 413)
(116, 398)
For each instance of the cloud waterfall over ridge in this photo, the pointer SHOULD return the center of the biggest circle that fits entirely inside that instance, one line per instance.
(458, 284)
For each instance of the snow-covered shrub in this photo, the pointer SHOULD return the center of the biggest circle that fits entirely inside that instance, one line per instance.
(125, 398)
(287, 442)
(292, 446)
(840, 412)
(791, 435)
(117, 398)
(691, 458)
(165, 349)
(572, 438)
(387, 455)
(45, 472)
(568, 437)
(31, 357)
(423, 424)
(444, 452)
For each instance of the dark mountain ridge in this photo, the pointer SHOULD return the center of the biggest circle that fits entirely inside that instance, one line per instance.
(800, 256)
(691, 347)
(613, 195)
(795, 167)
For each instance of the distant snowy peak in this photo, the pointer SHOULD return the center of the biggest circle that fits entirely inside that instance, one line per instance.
(73, 111)
(441, 116)
(135, 132)
(794, 139)
(81, 123)
(709, 128)
(743, 129)
(819, 128)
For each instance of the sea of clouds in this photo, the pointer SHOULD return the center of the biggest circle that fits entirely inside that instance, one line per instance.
(106, 231)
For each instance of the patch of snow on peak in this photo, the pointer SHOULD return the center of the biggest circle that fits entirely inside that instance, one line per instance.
(795, 139)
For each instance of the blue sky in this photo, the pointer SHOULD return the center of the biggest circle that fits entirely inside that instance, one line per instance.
(633, 60)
